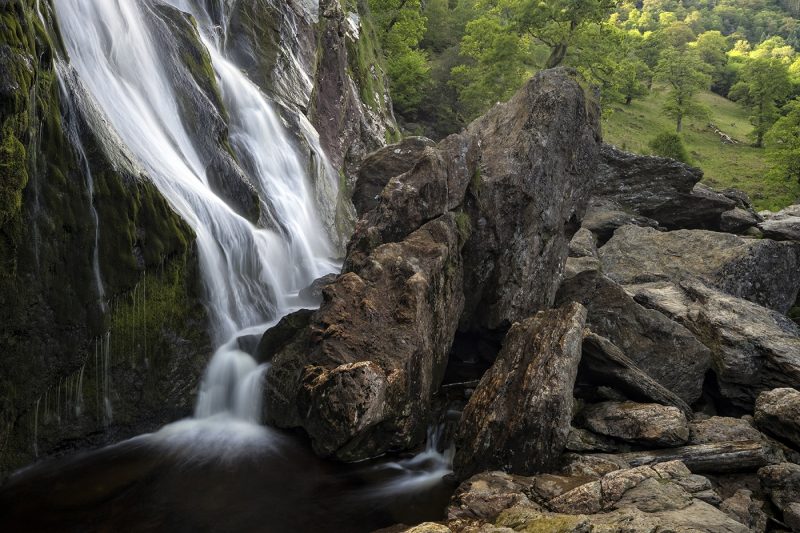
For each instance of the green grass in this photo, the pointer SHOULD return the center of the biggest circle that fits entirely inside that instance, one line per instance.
(632, 127)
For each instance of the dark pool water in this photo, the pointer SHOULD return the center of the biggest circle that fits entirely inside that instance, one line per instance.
(221, 475)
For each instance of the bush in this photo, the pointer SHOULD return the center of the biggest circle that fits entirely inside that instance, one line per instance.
(670, 145)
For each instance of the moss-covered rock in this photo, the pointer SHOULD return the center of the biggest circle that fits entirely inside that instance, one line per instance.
(65, 347)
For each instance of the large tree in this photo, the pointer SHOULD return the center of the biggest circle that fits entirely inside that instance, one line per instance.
(557, 23)
(685, 74)
(764, 84)
(783, 142)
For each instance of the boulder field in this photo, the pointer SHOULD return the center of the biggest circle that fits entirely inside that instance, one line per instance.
(612, 345)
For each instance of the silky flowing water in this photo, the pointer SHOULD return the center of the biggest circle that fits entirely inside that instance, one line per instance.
(221, 470)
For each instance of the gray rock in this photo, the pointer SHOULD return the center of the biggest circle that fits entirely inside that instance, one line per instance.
(781, 482)
(754, 349)
(583, 244)
(738, 220)
(518, 418)
(761, 271)
(582, 440)
(603, 217)
(722, 429)
(605, 364)
(538, 156)
(718, 457)
(778, 412)
(646, 424)
(744, 509)
(661, 348)
(486, 495)
(659, 188)
(782, 226)
(382, 165)
(313, 293)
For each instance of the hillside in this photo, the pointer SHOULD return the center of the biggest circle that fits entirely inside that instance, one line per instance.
(631, 127)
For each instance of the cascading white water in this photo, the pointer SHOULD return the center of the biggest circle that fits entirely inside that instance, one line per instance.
(251, 274)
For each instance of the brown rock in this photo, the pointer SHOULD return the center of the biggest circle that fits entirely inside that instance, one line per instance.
(518, 417)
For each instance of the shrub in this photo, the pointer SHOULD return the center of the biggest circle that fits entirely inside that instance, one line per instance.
(670, 145)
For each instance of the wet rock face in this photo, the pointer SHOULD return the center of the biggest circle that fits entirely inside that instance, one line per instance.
(761, 271)
(53, 321)
(361, 380)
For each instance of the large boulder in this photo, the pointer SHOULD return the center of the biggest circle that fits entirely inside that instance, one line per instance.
(664, 497)
(518, 418)
(778, 412)
(783, 225)
(754, 349)
(659, 188)
(382, 165)
(360, 376)
(762, 271)
(538, 156)
(637, 423)
(661, 348)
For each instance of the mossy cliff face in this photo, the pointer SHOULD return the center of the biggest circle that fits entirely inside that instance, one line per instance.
(77, 367)
(321, 58)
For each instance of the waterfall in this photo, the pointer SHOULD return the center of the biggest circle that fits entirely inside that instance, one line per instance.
(251, 274)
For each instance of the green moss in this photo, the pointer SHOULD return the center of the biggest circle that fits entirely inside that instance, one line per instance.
(13, 176)
(527, 520)
(464, 225)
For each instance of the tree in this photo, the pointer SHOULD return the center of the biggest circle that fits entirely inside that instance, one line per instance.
(764, 83)
(684, 73)
(557, 23)
(497, 56)
(668, 144)
(712, 47)
(402, 26)
(783, 142)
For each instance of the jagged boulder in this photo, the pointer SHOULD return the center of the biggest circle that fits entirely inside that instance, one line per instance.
(518, 418)
(382, 165)
(722, 429)
(604, 216)
(538, 155)
(360, 376)
(762, 271)
(754, 349)
(783, 225)
(781, 482)
(662, 497)
(778, 412)
(738, 220)
(659, 188)
(637, 423)
(661, 348)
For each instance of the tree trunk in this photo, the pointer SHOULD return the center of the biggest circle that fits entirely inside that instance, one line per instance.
(679, 124)
(628, 100)
(557, 55)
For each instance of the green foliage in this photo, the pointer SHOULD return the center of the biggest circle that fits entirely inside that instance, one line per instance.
(401, 26)
(668, 144)
(685, 74)
(783, 143)
(13, 176)
(764, 83)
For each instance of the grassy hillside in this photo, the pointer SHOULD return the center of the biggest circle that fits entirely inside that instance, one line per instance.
(632, 127)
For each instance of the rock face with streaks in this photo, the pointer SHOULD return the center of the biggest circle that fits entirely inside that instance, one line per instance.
(518, 417)
(653, 425)
(469, 232)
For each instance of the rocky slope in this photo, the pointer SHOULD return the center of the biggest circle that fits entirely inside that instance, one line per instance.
(87, 360)
(636, 327)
